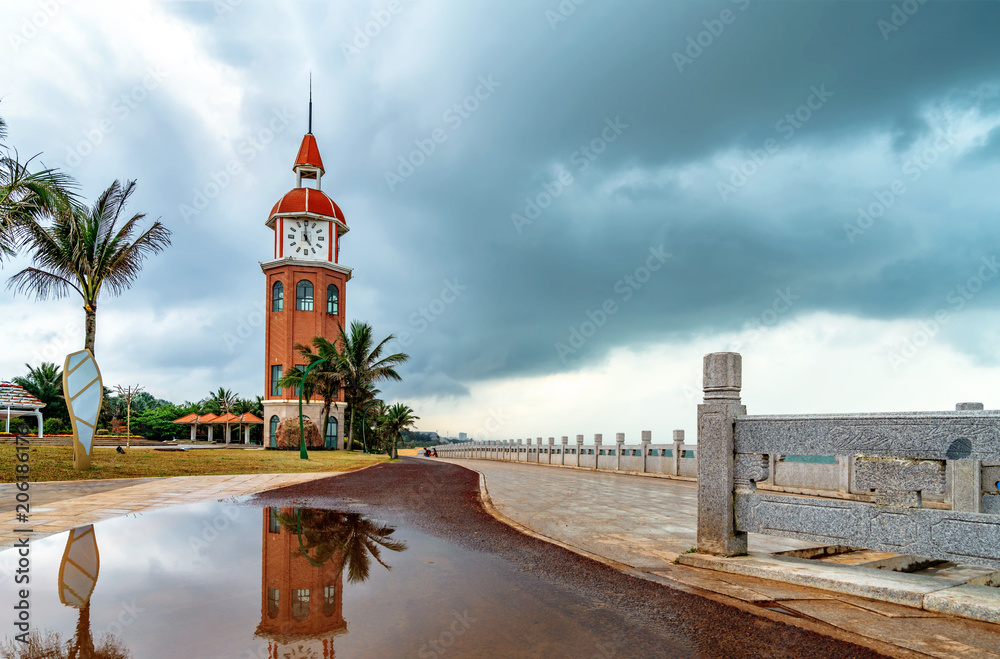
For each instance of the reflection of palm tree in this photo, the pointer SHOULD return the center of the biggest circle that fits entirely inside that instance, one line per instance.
(347, 538)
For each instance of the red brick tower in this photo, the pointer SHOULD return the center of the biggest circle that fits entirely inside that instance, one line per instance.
(306, 289)
(302, 605)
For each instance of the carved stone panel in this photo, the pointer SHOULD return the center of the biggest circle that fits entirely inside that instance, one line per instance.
(943, 534)
(935, 435)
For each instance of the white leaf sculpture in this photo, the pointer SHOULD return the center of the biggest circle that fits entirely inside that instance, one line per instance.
(84, 393)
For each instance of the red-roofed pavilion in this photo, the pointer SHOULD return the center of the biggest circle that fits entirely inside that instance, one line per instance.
(15, 401)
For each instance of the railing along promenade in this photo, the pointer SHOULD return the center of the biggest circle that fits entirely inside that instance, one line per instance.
(921, 483)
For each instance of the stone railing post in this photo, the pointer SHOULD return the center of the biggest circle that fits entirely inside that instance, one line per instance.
(597, 451)
(723, 379)
(579, 448)
(527, 453)
(565, 443)
(552, 447)
(967, 476)
(539, 451)
(619, 445)
(677, 452)
(647, 439)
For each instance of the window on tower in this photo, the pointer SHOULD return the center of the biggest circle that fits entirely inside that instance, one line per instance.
(274, 431)
(329, 600)
(332, 299)
(273, 595)
(277, 296)
(300, 603)
(276, 380)
(304, 295)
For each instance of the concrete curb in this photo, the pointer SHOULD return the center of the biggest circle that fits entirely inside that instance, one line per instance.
(935, 594)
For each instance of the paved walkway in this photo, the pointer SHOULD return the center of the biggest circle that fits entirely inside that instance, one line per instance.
(58, 507)
(596, 513)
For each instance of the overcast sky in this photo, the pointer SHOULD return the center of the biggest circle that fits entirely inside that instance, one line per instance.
(559, 209)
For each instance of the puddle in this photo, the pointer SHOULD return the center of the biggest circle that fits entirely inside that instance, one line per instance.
(219, 580)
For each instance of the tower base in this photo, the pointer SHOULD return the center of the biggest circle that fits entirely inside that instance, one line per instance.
(289, 409)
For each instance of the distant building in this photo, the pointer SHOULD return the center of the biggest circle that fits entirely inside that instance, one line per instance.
(463, 436)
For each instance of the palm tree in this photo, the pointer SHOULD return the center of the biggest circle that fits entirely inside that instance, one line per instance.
(45, 384)
(363, 365)
(27, 196)
(324, 379)
(393, 422)
(83, 250)
(347, 538)
(224, 399)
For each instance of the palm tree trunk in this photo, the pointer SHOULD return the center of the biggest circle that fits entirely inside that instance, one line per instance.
(350, 431)
(91, 327)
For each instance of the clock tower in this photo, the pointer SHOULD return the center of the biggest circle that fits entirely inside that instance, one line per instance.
(306, 290)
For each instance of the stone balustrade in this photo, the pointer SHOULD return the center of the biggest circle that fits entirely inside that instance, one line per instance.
(675, 459)
(902, 461)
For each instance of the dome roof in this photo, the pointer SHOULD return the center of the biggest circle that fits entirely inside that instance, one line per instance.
(308, 200)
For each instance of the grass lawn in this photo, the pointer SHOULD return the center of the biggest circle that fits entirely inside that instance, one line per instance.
(55, 463)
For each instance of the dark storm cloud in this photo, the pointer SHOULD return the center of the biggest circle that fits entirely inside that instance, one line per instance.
(554, 87)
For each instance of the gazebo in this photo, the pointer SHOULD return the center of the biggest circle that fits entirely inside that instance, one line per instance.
(16, 401)
(195, 420)
(241, 420)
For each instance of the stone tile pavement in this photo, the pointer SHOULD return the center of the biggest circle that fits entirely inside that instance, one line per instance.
(642, 524)
(58, 507)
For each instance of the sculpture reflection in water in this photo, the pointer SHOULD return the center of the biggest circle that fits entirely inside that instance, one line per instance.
(305, 552)
(81, 563)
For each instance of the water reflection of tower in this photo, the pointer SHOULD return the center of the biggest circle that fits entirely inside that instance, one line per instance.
(301, 603)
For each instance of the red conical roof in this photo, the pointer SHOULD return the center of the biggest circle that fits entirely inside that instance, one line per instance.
(309, 154)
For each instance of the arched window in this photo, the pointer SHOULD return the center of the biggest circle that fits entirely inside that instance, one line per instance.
(332, 299)
(329, 600)
(300, 603)
(273, 595)
(304, 295)
(331, 432)
(274, 431)
(277, 296)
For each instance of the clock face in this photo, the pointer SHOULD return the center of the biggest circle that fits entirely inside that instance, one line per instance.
(307, 239)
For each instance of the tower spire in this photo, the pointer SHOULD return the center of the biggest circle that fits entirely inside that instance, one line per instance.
(310, 102)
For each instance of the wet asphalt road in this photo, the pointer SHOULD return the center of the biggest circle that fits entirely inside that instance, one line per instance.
(442, 500)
